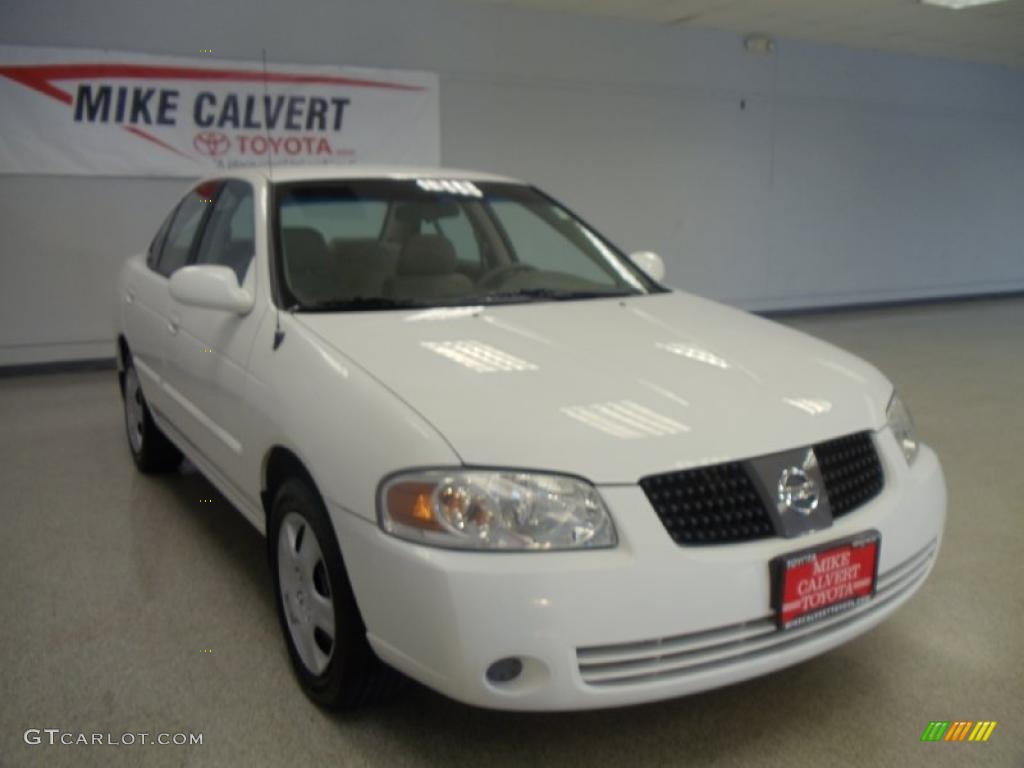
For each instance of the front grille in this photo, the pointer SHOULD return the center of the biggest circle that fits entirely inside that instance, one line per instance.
(852, 471)
(720, 504)
(659, 659)
(709, 505)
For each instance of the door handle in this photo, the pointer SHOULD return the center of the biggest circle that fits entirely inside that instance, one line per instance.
(172, 325)
(129, 297)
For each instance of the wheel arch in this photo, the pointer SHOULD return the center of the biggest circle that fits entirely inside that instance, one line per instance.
(279, 464)
(123, 355)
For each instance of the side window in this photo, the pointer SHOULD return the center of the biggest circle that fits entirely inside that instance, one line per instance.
(228, 235)
(158, 240)
(182, 232)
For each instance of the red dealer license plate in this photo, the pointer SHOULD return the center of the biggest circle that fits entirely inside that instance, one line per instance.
(815, 583)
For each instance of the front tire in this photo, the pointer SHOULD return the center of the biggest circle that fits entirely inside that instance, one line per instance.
(151, 450)
(323, 629)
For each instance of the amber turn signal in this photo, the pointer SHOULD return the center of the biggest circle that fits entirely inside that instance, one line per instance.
(409, 504)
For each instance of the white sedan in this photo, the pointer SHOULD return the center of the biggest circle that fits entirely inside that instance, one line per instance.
(493, 453)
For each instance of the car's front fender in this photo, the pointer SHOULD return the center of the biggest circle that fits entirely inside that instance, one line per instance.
(348, 430)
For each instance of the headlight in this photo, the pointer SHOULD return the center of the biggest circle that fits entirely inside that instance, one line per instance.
(474, 509)
(902, 427)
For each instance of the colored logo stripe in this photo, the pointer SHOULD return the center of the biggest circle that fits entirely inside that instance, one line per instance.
(982, 731)
(958, 730)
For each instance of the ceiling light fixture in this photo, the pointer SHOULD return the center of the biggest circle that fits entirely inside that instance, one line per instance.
(956, 5)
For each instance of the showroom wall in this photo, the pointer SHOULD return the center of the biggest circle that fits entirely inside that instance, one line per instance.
(815, 176)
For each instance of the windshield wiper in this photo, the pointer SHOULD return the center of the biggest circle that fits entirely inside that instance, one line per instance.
(555, 294)
(358, 303)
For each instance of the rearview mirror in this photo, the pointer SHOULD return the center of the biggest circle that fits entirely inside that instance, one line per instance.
(429, 210)
(210, 286)
(650, 263)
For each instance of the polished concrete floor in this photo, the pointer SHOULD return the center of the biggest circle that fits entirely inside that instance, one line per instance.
(129, 604)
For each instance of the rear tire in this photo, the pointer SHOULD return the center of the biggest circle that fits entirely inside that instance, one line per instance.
(320, 620)
(150, 448)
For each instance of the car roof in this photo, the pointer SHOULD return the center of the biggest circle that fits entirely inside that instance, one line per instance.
(290, 173)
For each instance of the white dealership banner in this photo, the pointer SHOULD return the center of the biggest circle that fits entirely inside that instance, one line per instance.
(73, 111)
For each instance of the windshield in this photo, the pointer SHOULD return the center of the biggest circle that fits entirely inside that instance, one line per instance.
(389, 244)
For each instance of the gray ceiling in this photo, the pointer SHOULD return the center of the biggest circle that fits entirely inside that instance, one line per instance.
(991, 33)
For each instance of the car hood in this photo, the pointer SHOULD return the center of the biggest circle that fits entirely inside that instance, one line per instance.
(610, 389)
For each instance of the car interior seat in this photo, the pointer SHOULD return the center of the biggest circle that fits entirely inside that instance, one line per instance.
(364, 265)
(427, 270)
(310, 269)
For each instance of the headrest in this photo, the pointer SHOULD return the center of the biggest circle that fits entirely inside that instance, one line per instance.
(427, 255)
(303, 245)
(426, 210)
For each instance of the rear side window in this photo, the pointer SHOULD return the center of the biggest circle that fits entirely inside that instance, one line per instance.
(181, 235)
(228, 235)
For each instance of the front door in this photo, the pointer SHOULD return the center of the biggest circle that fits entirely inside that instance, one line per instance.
(206, 358)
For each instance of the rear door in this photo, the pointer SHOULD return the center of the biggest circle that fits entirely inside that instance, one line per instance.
(142, 301)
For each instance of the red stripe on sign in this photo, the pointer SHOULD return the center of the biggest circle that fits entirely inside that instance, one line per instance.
(149, 137)
(33, 80)
(29, 75)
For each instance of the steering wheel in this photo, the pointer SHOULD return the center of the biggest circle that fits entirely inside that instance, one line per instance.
(498, 275)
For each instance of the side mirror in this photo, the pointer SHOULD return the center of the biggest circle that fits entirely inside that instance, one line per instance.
(650, 263)
(210, 286)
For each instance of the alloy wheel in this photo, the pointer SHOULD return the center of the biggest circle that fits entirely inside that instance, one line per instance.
(134, 409)
(305, 592)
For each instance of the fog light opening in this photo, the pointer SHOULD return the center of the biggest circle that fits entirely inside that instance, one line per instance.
(504, 671)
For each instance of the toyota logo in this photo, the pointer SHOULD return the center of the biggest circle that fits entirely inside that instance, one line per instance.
(212, 143)
(797, 491)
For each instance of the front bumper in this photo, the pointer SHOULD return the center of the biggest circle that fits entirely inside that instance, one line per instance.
(648, 620)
